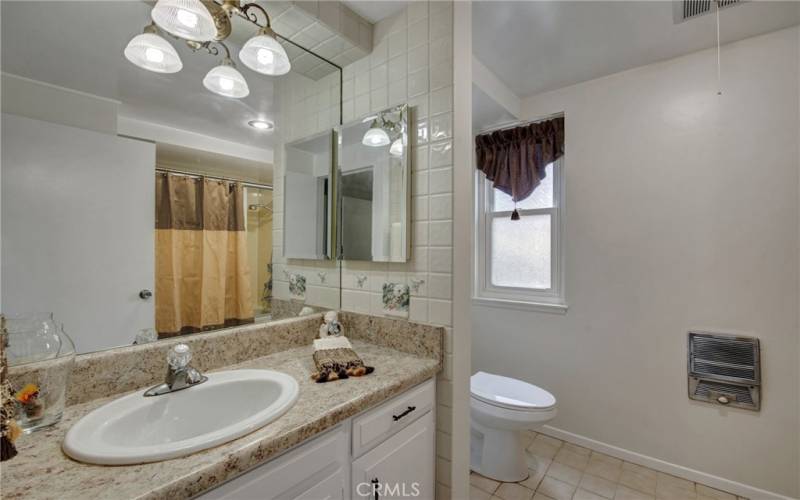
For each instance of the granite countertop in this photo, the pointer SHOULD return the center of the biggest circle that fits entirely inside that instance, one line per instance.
(42, 471)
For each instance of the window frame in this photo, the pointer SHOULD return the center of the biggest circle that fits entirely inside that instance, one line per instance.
(485, 293)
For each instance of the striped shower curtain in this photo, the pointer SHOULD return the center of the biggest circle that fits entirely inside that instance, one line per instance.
(202, 275)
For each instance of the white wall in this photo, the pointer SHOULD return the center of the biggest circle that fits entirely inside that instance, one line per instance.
(681, 213)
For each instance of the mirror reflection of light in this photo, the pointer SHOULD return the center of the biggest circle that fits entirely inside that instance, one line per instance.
(397, 147)
(376, 137)
(261, 125)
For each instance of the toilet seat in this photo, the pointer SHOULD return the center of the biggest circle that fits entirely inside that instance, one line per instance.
(510, 393)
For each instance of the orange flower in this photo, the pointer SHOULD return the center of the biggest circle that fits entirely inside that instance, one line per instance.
(27, 394)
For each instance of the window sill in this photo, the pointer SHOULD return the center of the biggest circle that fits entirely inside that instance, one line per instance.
(520, 305)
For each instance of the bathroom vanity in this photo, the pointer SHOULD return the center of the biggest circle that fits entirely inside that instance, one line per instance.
(386, 450)
(377, 429)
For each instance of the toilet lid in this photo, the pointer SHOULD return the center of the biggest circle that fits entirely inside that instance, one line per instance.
(509, 393)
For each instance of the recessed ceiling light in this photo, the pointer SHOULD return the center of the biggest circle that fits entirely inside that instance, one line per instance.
(261, 124)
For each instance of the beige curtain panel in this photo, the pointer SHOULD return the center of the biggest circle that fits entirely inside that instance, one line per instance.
(202, 275)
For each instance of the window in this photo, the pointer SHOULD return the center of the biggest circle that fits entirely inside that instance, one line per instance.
(519, 262)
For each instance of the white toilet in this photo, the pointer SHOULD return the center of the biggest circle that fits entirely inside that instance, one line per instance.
(500, 409)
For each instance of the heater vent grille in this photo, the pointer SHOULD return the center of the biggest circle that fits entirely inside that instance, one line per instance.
(724, 369)
(688, 9)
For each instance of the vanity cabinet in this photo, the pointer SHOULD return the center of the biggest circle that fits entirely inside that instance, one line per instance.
(388, 450)
(400, 467)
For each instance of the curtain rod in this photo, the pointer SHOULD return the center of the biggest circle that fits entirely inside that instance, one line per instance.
(204, 176)
(519, 123)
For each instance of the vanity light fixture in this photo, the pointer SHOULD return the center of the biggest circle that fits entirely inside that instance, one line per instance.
(203, 24)
(263, 54)
(225, 79)
(187, 19)
(376, 136)
(385, 129)
(261, 125)
(150, 51)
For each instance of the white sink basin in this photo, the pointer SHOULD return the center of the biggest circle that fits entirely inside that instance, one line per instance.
(135, 429)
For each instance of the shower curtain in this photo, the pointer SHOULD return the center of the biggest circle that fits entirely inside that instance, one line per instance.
(202, 275)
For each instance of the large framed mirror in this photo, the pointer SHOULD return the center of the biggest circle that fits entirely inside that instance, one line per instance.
(139, 193)
(374, 187)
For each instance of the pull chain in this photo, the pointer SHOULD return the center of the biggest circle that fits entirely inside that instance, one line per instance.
(719, 63)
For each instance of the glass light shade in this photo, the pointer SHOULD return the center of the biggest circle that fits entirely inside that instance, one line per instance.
(226, 81)
(188, 19)
(153, 53)
(376, 137)
(263, 54)
(396, 149)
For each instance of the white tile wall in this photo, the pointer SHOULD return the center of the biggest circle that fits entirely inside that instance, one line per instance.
(412, 62)
(307, 107)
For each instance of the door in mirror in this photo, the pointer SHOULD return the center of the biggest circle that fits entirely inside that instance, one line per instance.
(308, 201)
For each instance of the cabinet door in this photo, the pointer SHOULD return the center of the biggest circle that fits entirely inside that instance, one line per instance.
(400, 467)
(330, 488)
(318, 469)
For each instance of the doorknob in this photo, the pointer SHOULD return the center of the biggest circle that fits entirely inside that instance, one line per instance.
(145, 294)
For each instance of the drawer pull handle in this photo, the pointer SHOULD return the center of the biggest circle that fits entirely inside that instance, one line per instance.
(376, 485)
(409, 410)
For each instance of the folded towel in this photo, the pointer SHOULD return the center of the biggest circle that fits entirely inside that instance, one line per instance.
(332, 343)
(335, 359)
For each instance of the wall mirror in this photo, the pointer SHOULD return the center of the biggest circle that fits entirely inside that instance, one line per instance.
(137, 167)
(308, 201)
(374, 187)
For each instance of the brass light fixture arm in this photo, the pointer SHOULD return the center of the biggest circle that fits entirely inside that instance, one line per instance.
(245, 11)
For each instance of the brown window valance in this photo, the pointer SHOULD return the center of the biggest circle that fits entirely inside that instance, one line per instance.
(514, 159)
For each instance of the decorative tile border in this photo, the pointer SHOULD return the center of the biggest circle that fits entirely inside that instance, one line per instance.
(395, 299)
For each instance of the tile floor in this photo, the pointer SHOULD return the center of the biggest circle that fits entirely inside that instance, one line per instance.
(565, 471)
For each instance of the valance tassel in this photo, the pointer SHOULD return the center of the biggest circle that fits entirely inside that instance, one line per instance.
(515, 215)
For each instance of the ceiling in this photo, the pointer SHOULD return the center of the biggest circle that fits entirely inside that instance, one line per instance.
(534, 47)
(374, 11)
(487, 113)
(79, 45)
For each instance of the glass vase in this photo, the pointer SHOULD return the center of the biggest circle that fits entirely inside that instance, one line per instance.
(40, 358)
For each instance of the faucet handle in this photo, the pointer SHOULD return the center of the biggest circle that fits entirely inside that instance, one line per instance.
(179, 357)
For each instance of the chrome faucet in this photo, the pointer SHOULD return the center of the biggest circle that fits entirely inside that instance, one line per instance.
(179, 374)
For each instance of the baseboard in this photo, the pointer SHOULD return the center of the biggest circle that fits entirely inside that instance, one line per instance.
(666, 467)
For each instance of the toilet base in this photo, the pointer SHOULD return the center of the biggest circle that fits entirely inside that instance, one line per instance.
(498, 454)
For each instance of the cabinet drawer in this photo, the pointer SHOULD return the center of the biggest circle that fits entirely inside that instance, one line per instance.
(317, 469)
(379, 423)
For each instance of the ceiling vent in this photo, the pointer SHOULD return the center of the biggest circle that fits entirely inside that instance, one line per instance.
(689, 9)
